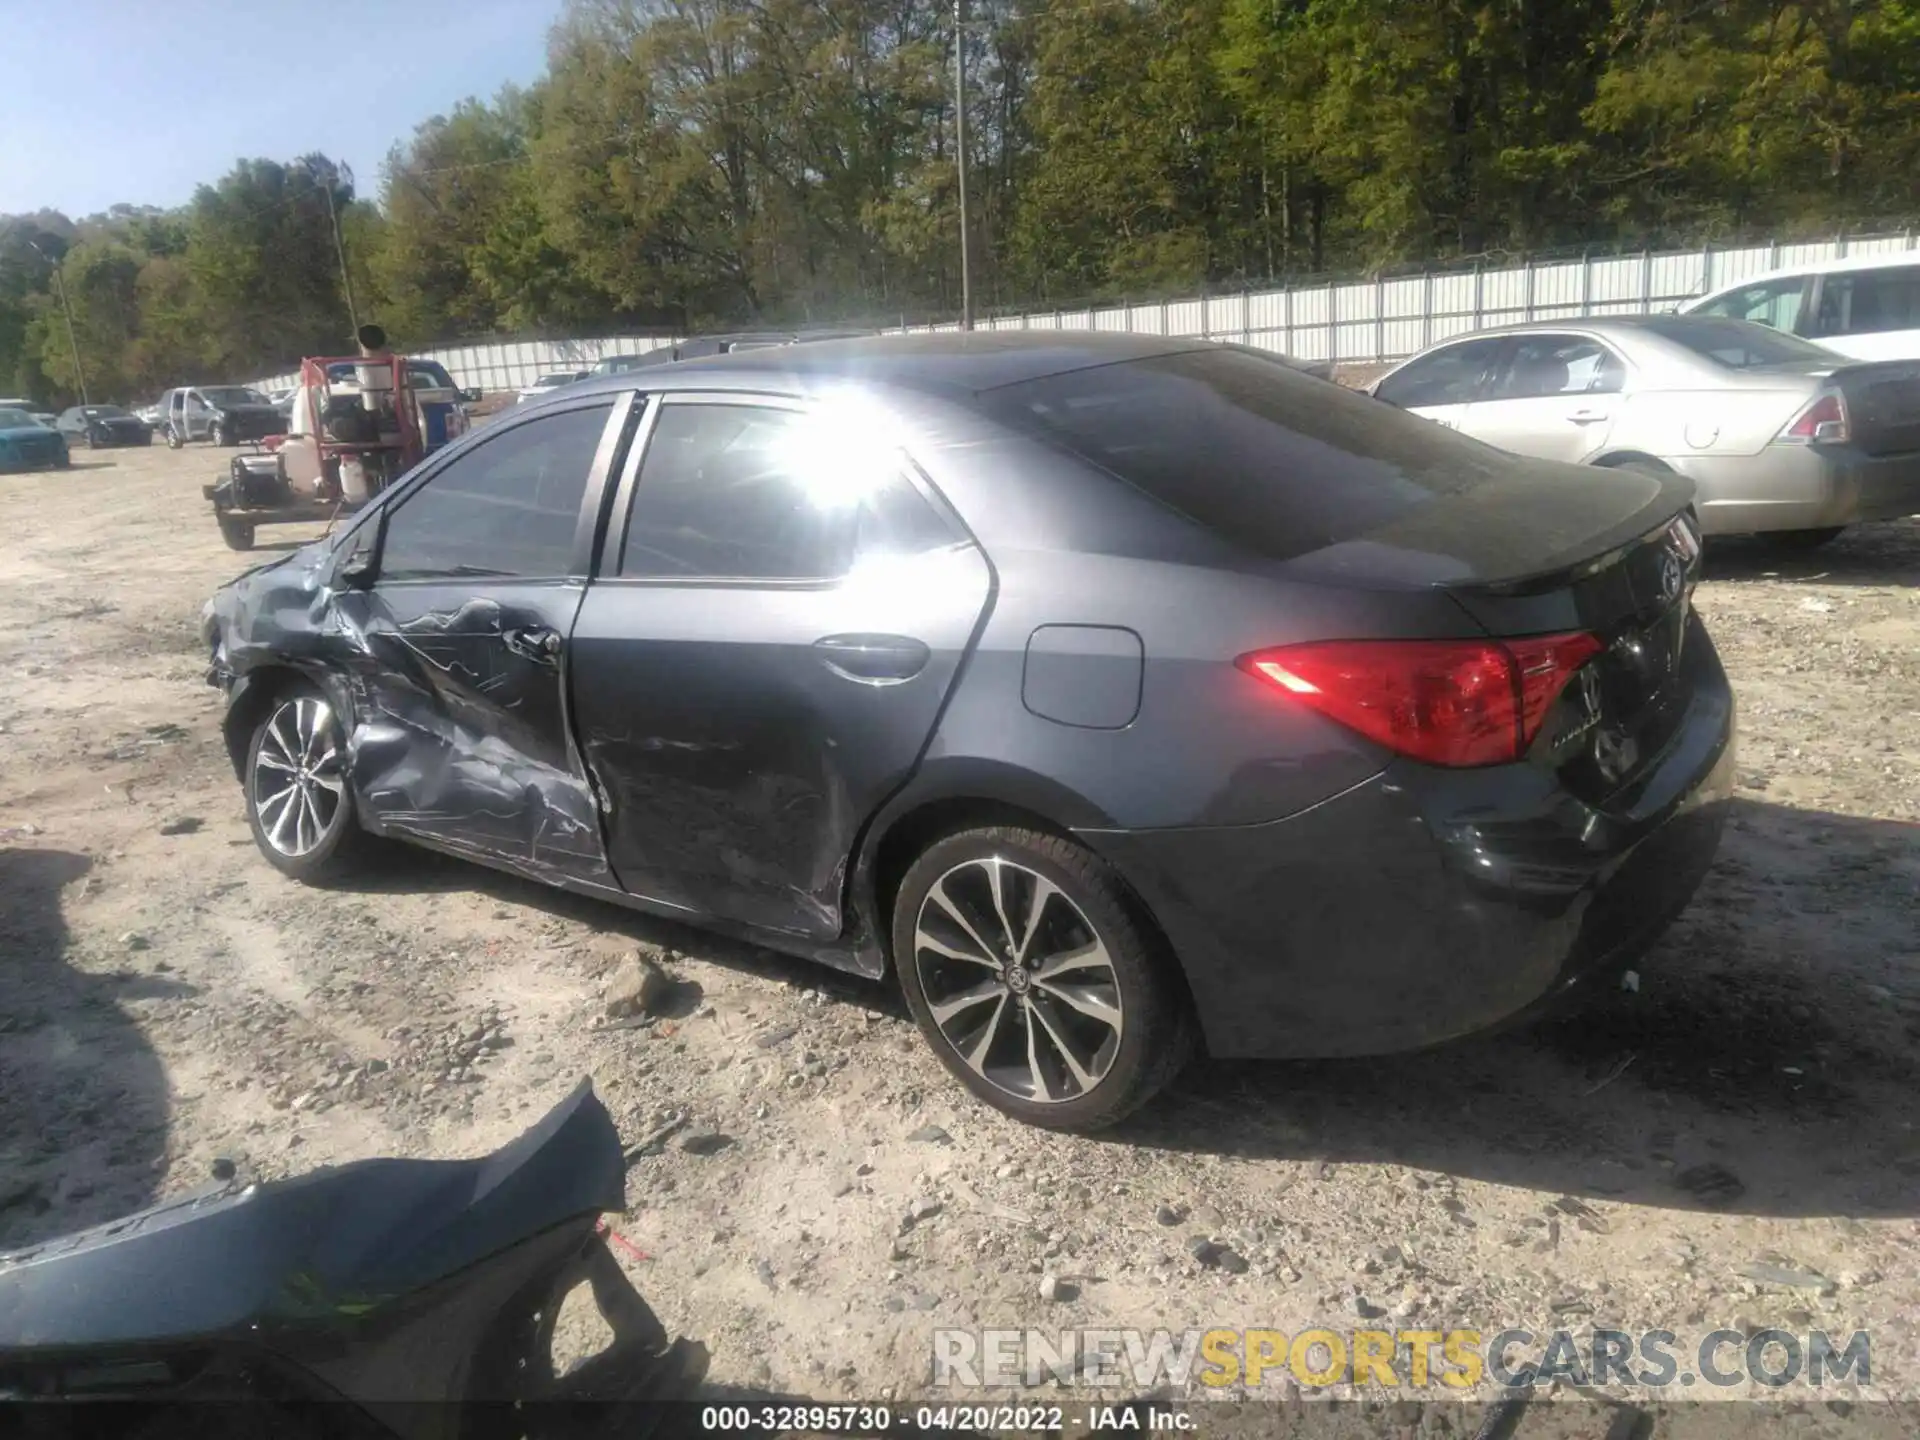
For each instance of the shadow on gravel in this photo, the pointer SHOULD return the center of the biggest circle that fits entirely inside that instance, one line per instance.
(1767, 1066)
(1887, 553)
(83, 1097)
(412, 870)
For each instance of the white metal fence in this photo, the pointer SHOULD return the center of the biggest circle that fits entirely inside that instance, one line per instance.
(1346, 322)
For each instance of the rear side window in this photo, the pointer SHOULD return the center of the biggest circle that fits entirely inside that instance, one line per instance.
(1869, 302)
(751, 492)
(507, 507)
(1736, 344)
(1446, 377)
(1270, 458)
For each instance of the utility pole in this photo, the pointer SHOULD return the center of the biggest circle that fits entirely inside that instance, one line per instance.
(73, 342)
(960, 153)
(340, 249)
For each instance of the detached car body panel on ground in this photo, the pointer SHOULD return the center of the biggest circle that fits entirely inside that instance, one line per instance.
(1777, 434)
(26, 444)
(1224, 688)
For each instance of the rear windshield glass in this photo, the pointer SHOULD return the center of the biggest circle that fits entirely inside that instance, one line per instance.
(1271, 458)
(1736, 344)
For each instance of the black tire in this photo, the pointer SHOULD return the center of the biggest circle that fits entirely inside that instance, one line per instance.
(1156, 1036)
(340, 839)
(219, 436)
(174, 441)
(1803, 541)
(237, 533)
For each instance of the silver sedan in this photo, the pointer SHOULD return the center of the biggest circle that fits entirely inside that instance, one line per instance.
(1778, 434)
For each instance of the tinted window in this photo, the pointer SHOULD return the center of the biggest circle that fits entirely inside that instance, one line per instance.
(1736, 344)
(14, 419)
(1446, 377)
(507, 507)
(233, 395)
(1775, 303)
(751, 492)
(1869, 302)
(1544, 365)
(1263, 454)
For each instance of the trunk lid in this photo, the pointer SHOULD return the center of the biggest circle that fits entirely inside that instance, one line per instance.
(1883, 405)
(1617, 713)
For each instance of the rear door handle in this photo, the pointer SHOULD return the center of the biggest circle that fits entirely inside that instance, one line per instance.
(1587, 417)
(533, 642)
(873, 659)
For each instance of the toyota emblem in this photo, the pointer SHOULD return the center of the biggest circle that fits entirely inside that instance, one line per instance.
(1673, 574)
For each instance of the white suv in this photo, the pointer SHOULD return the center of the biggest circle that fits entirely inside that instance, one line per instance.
(1867, 308)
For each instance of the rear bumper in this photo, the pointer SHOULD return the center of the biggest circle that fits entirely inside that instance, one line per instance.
(1802, 487)
(1423, 905)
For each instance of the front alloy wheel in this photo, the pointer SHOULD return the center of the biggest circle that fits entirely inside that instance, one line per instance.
(1035, 980)
(297, 801)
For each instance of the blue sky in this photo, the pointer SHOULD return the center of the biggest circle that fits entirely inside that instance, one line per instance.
(103, 101)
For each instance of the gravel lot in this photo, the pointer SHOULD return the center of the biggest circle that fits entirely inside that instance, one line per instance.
(167, 1000)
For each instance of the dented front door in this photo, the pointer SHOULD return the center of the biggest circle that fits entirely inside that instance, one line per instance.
(461, 730)
(465, 740)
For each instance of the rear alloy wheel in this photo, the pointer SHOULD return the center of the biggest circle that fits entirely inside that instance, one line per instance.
(1024, 962)
(218, 434)
(297, 800)
(173, 438)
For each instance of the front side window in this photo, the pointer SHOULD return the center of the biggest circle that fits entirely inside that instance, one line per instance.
(752, 492)
(1869, 302)
(1446, 377)
(507, 507)
(1548, 365)
(1774, 303)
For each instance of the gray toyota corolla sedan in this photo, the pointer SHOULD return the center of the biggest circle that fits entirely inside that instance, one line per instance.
(1779, 436)
(1117, 695)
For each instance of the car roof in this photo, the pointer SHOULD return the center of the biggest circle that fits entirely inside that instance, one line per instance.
(1891, 259)
(953, 363)
(1620, 327)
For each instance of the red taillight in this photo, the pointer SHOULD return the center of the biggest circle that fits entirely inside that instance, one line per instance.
(1447, 702)
(1824, 419)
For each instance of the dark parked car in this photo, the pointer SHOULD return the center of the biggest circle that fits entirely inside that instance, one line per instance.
(26, 444)
(223, 414)
(98, 426)
(1115, 692)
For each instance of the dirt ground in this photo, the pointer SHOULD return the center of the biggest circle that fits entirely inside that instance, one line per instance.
(168, 1001)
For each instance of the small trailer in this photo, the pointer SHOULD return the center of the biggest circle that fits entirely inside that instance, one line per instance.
(356, 423)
